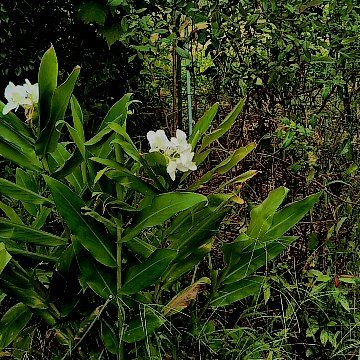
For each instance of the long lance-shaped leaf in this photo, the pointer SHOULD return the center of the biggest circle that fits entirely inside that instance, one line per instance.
(196, 227)
(84, 228)
(224, 126)
(117, 112)
(203, 125)
(12, 152)
(245, 262)
(5, 257)
(13, 130)
(98, 278)
(148, 273)
(125, 178)
(48, 74)
(14, 320)
(225, 165)
(262, 215)
(17, 192)
(237, 291)
(290, 215)
(143, 326)
(162, 208)
(26, 234)
(17, 127)
(49, 135)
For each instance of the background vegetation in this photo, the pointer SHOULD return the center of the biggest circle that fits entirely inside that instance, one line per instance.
(297, 63)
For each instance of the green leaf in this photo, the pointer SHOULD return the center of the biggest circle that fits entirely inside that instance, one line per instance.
(262, 215)
(17, 192)
(149, 272)
(23, 342)
(110, 338)
(162, 208)
(48, 74)
(239, 290)
(143, 326)
(244, 262)
(86, 231)
(98, 278)
(225, 165)
(117, 112)
(10, 213)
(224, 126)
(27, 180)
(5, 257)
(26, 159)
(92, 12)
(49, 136)
(196, 228)
(203, 125)
(26, 234)
(13, 321)
(125, 178)
(16, 141)
(140, 247)
(290, 215)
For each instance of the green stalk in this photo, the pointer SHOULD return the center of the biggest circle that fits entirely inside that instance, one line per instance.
(119, 156)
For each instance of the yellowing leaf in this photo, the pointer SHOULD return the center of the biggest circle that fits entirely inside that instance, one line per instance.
(183, 299)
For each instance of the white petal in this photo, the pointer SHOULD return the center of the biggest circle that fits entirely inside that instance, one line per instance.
(8, 107)
(181, 136)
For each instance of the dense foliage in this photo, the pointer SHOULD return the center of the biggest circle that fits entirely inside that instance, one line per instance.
(296, 65)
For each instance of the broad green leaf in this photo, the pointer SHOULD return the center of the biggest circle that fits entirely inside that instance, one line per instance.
(225, 165)
(26, 234)
(162, 208)
(98, 278)
(27, 180)
(149, 272)
(140, 247)
(203, 125)
(49, 136)
(31, 255)
(10, 213)
(25, 158)
(196, 227)
(86, 231)
(128, 148)
(182, 300)
(125, 178)
(186, 264)
(92, 12)
(48, 74)
(5, 257)
(262, 215)
(21, 288)
(110, 337)
(239, 290)
(17, 192)
(244, 262)
(290, 215)
(143, 326)
(13, 321)
(117, 112)
(11, 125)
(224, 126)
(78, 117)
(23, 342)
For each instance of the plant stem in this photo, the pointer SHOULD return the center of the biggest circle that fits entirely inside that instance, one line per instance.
(119, 156)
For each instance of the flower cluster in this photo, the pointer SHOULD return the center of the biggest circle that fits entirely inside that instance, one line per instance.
(176, 150)
(26, 96)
